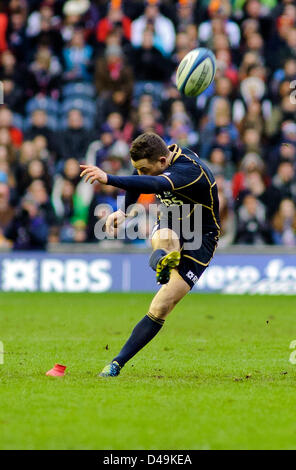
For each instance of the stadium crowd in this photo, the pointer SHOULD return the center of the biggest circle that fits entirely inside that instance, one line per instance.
(81, 79)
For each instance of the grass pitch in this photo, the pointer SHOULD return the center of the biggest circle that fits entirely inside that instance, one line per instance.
(217, 376)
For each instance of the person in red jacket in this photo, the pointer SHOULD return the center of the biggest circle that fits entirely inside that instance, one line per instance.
(115, 20)
(6, 118)
(3, 29)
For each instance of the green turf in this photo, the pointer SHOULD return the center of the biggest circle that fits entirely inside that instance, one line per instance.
(218, 375)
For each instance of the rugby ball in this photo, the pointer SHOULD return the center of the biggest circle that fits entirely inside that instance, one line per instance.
(196, 71)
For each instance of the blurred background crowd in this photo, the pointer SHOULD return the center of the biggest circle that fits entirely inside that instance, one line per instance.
(81, 79)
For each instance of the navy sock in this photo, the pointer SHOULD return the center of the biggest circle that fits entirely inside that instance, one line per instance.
(155, 257)
(143, 332)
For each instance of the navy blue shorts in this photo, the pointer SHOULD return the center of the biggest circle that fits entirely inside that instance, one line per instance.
(194, 262)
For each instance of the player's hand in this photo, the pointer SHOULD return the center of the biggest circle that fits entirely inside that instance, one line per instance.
(113, 221)
(93, 173)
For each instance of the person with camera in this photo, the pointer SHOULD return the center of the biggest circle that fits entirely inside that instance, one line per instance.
(28, 230)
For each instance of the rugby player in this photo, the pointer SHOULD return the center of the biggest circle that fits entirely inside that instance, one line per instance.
(177, 176)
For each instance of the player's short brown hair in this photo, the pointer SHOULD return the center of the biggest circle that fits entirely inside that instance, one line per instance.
(148, 145)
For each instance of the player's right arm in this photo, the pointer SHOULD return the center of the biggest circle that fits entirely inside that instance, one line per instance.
(136, 183)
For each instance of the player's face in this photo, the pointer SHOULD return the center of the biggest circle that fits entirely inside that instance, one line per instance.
(146, 167)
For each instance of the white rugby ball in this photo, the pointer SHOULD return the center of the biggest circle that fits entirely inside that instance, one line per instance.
(196, 71)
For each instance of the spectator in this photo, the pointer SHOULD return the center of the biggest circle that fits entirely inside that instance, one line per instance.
(280, 152)
(38, 191)
(49, 36)
(219, 12)
(114, 81)
(28, 229)
(252, 224)
(27, 153)
(266, 193)
(253, 118)
(115, 20)
(77, 58)
(39, 127)
(284, 224)
(104, 198)
(284, 180)
(106, 141)
(219, 164)
(43, 153)
(13, 95)
(44, 74)
(16, 35)
(251, 141)
(7, 150)
(181, 129)
(148, 62)
(6, 210)
(75, 12)
(225, 66)
(35, 169)
(227, 217)
(251, 162)
(70, 209)
(219, 128)
(183, 46)
(3, 29)
(162, 28)
(185, 15)
(6, 122)
(73, 141)
(260, 12)
(8, 67)
(46, 12)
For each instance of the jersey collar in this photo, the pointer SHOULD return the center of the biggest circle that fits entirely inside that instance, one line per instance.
(176, 151)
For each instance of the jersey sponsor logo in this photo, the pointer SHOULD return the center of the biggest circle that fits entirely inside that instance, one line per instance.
(169, 200)
(192, 276)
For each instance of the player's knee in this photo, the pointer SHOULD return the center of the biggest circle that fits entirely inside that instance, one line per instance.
(170, 245)
(165, 239)
(163, 307)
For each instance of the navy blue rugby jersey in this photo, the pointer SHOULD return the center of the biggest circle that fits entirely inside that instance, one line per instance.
(192, 183)
(187, 180)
